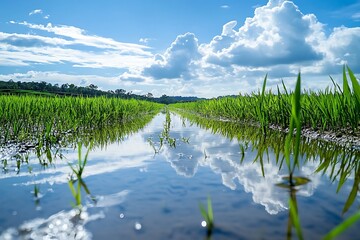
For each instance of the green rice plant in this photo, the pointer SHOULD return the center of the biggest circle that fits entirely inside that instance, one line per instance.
(343, 226)
(242, 152)
(76, 193)
(208, 216)
(78, 171)
(185, 139)
(295, 124)
(326, 110)
(327, 160)
(23, 118)
(5, 164)
(152, 144)
(261, 112)
(36, 191)
(164, 137)
(294, 218)
(51, 123)
(341, 162)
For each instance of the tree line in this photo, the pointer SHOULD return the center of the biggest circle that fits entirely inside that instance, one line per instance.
(12, 87)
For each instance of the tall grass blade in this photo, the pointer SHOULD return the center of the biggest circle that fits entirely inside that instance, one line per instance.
(343, 226)
(346, 88)
(207, 215)
(295, 218)
(352, 195)
(296, 114)
(210, 210)
(355, 84)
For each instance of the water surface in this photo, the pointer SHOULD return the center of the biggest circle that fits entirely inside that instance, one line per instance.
(148, 185)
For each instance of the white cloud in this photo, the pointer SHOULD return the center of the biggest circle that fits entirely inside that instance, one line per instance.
(79, 36)
(28, 40)
(36, 11)
(145, 40)
(29, 49)
(177, 60)
(279, 40)
(20, 56)
(342, 47)
(277, 34)
(223, 160)
(225, 6)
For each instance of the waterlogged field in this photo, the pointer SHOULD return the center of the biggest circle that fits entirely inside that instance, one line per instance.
(98, 168)
(149, 185)
(46, 120)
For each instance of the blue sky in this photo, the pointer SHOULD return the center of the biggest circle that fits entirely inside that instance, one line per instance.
(178, 47)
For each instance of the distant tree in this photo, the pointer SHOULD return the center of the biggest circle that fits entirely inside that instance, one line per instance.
(91, 90)
(120, 91)
(164, 99)
(41, 86)
(93, 87)
(64, 87)
(71, 88)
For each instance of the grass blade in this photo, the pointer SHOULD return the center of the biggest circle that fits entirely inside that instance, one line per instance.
(295, 218)
(343, 226)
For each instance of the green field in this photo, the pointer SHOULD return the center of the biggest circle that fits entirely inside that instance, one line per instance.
(37, 118)
(336, 110)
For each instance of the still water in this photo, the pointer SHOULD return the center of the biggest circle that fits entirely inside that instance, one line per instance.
(149, 184)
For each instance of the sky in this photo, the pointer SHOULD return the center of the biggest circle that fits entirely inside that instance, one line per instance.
(204, 48)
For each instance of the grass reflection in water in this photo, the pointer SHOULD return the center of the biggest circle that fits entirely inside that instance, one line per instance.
(341, 161)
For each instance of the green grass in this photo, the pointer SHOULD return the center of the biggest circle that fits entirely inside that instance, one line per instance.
(48, 124)
(292, 150)
(334, 110)
(45, 120)
(208, 216)
(164, 137)
(343, 226)
(78, 170)
(295, 124)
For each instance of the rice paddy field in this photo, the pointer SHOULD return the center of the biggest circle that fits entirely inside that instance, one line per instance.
(228, 168)
(334, 110)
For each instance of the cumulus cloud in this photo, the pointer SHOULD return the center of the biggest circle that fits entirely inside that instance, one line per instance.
(129, 77)
(177, 60)
(277, 34)
(278, 39)
(36, 11)
(342, 47)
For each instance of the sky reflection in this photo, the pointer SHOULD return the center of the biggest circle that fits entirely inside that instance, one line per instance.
(129, 179)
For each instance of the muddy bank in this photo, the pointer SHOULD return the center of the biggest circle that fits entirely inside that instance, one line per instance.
(345, 138)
